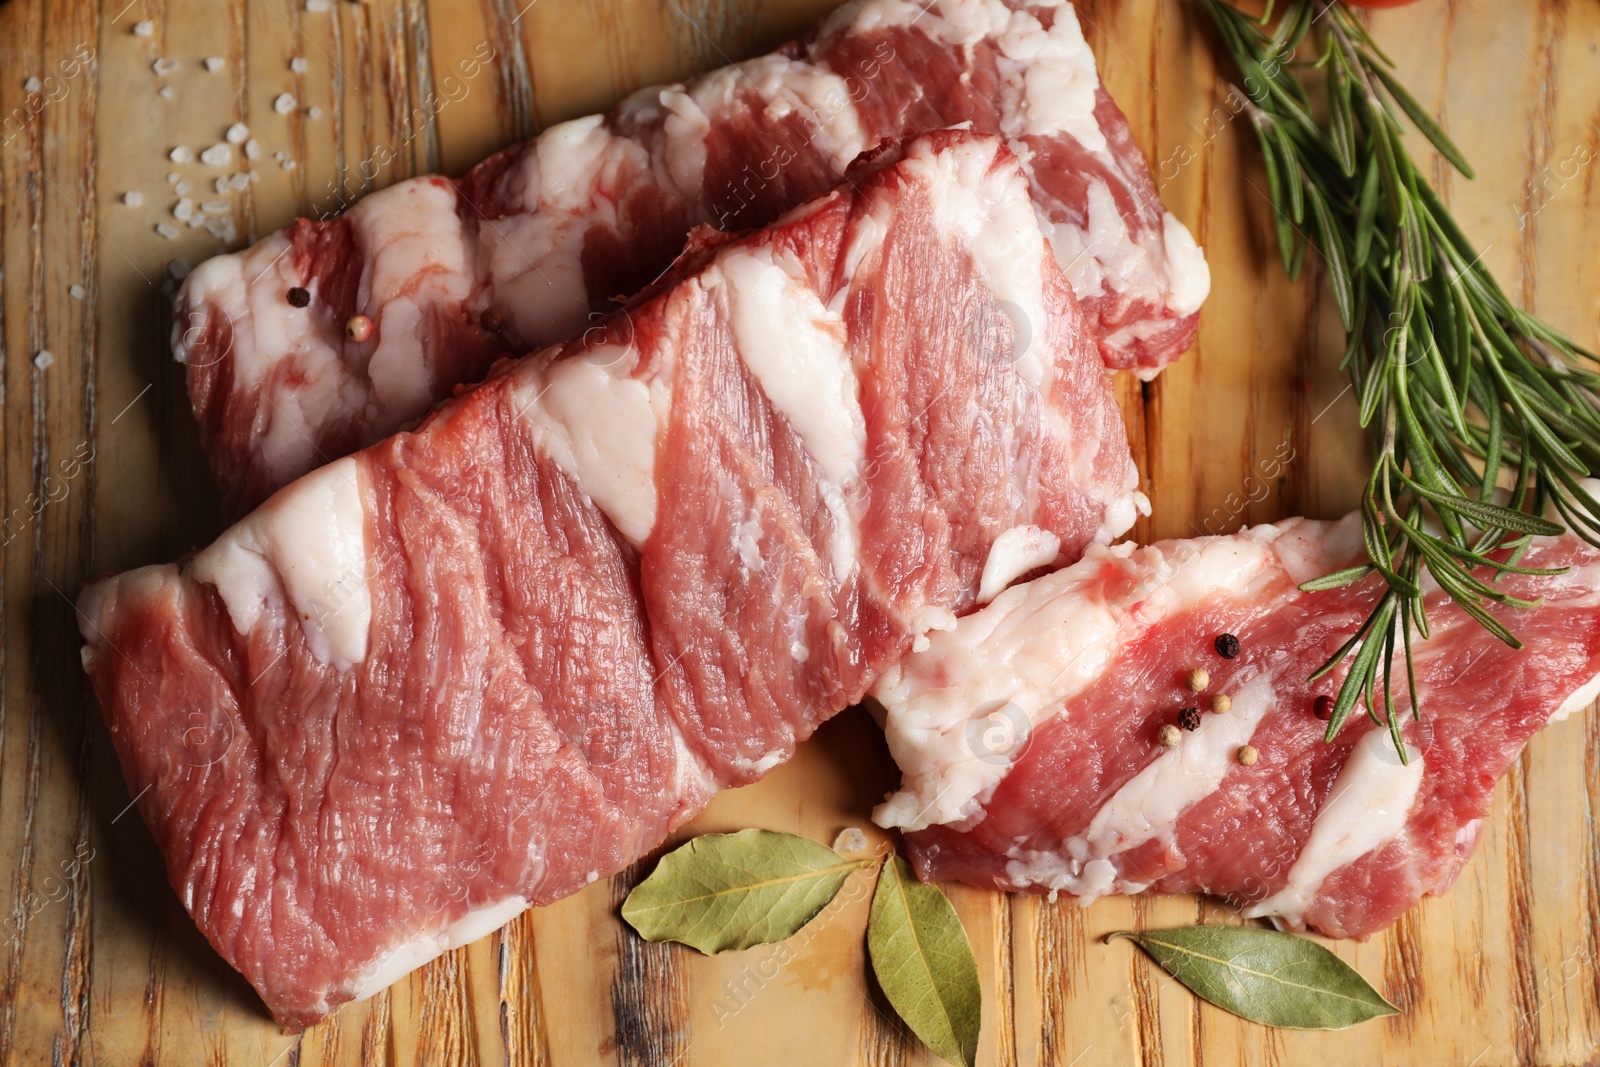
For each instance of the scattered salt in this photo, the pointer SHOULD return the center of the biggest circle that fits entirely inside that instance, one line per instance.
(167, 92)
(214, 63)
(164, 66)
(181, 154)
(240, 181)
(178, 268)
(196, 220)
(218, 155)
(299, 65)
(222, 228)
(252, 148)
(145, 28)
(43, 359)
(183, 209)
(172, 179)
(288, 164)
(75, 291)
(316, 7)
(133, 198)
(238, 133)
(215, 207)
(850, 840)
(314, 112)
(32, 85)
(283, 104)
(182, 188)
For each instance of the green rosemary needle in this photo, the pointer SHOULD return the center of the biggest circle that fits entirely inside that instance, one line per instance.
(1463, 392)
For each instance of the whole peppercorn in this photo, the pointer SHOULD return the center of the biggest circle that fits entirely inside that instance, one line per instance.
(1189, 718)
(1169, 736)
(299, 297)
(1227, 646)
(1248, 755)
(1198, 679)
(492, 319)
(1221, 704)
(358, 329)
(1323, 708)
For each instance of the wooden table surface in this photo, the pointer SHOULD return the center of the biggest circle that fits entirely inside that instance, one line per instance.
(102, 472)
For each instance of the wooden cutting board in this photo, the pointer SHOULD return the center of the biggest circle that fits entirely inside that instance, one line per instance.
(100, 965)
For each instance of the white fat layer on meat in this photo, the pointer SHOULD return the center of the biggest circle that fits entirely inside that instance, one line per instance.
(398, 962)
(599, 424)
(1579, 700)
(1366, 809)
(988, 211)
(1148, 806)
(535, 257)
(686, 127)
(1013, 554)
(308, 543)
(419, 265)
(795, 349)
(268, 334)
(1188, 273)
(1055, 72)
(819, 96)
(1033, 648)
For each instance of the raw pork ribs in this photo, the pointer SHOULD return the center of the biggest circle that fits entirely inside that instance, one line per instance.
(474, 667)
(1028, 734)
(524, 250)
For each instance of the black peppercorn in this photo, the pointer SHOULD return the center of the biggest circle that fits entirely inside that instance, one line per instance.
(1227, 646)
(1189, 718)
(1322, 708)
(299, 297)
(492, 320)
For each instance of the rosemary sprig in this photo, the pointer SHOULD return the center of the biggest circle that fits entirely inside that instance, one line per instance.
(1464, 394)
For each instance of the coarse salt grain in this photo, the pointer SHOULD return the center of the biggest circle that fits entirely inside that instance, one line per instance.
(316, 7)
(299, 65)
(133, 198)
(214, 207)
(179, 269)
(314, 112)
(183, 209)
(43, 359)
(252, 148)
(167, 230)
(173, 179)
(32, 85)
(850, 839)
(214, 63)
(238, 133)
(284, 103)
(167, 92)
(240, 181)
(183, 188)
(222, 228)
(218, 155)
(196, 220)
(181, 154)
(145, 28)
(75, 291)
(164, 66)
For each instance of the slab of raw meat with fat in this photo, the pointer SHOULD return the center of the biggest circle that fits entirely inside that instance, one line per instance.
(475, 667)
(522, 251)
(1029, 734)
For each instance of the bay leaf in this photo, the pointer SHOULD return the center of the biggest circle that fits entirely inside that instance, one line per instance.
(1265, 976)
(924, 963)
(732, 891)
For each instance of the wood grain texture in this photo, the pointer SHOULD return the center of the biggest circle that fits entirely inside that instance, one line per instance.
(101, 471)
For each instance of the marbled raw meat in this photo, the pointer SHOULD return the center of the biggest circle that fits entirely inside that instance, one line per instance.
(1028, 734)
(545, 235)
(476, 666)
